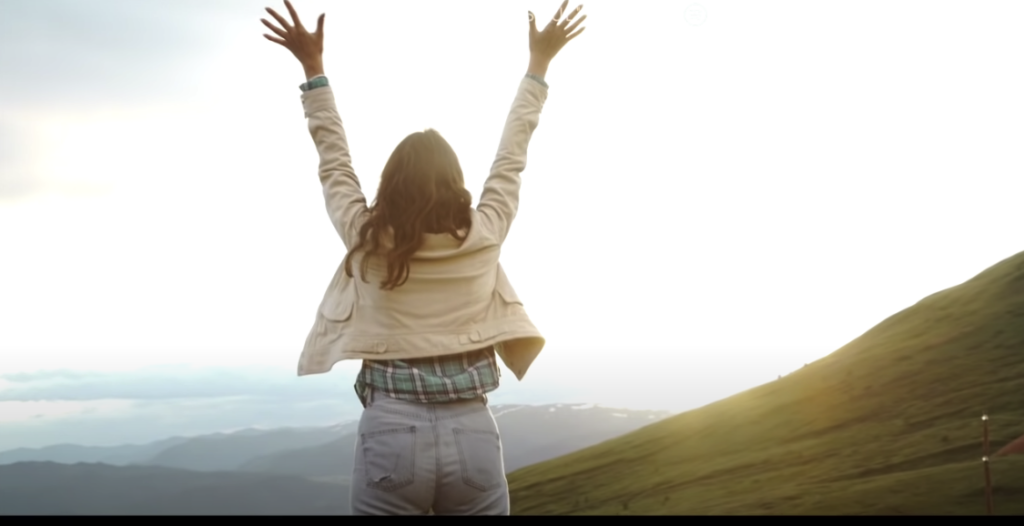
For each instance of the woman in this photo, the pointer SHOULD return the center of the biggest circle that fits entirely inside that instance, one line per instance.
(420, 297)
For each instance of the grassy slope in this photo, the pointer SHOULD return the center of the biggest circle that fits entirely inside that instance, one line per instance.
(890, 423)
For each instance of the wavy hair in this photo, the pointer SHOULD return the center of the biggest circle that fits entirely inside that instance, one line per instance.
(421, 191)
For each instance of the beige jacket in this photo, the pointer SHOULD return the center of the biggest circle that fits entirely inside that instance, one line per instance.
(457, 297)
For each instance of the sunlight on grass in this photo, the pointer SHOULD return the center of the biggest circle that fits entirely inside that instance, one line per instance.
(888, 424)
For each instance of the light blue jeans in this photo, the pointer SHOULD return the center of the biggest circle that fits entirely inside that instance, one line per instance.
(418, 459)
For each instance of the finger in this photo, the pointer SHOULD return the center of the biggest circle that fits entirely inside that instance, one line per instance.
(280, 20)
(574, 35)
(576, 23)
(320, 24)
(533, 23)
(273, 28)
(275, 39)
(570, 17)
(295, 16)
(575, 12)
(561, 10)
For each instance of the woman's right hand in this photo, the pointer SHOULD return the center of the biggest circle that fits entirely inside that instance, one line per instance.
(544, 45)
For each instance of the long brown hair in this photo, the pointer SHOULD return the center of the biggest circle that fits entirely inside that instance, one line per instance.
(421, 191)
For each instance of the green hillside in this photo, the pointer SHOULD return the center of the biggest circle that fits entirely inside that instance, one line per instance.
(888, 424)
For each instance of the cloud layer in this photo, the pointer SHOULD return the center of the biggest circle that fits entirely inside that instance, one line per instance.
(92, 408)
(170, 384)
(110, 408)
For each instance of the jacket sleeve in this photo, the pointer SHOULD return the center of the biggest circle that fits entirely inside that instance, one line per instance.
(500, 199)
(346, 204)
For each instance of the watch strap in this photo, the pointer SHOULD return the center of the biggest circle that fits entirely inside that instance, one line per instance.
(316, 82)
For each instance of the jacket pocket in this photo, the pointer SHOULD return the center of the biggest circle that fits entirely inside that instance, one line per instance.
(480, 458)
(509, 295)
(340, 299)
(339, 304)
(389, 458)
(339, 309)
(505, 290)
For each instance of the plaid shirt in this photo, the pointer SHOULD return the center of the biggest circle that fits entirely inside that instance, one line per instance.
(432, 380)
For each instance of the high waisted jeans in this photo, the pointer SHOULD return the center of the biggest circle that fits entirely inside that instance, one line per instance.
(417, 459)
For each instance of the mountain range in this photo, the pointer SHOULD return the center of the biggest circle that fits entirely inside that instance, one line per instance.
(277, 471)
(48, 488)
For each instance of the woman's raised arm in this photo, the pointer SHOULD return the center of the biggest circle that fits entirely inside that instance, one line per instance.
(500, 199)
(346, 204)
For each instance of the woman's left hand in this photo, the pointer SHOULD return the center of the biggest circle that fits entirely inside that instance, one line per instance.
(307, 47)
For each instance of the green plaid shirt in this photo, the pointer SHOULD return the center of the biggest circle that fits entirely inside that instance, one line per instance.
(431, 380)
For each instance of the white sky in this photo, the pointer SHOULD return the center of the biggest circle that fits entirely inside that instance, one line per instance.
(705, 206)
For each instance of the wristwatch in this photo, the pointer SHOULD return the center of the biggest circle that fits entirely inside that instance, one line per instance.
(538, 79)
(316, 82)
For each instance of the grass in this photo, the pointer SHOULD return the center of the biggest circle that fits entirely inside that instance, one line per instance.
(888, 424)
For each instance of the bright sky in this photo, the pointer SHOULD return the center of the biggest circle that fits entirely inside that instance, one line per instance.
(717, 193)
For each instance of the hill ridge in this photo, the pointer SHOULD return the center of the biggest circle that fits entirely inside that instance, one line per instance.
(903, 398)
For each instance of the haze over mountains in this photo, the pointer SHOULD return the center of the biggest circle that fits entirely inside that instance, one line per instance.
(279, 471)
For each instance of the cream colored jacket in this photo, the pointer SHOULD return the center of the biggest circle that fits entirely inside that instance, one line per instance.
(457, 297)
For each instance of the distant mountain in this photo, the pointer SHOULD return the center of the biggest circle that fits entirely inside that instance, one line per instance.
(228, 452)
(889, 424)
(532, 434)
(216, 452)
(71, 454)
(529, 434)
(32, 488)
(333, 459)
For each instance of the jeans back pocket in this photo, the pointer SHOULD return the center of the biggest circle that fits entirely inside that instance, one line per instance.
(480, 458)
(389, 457)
